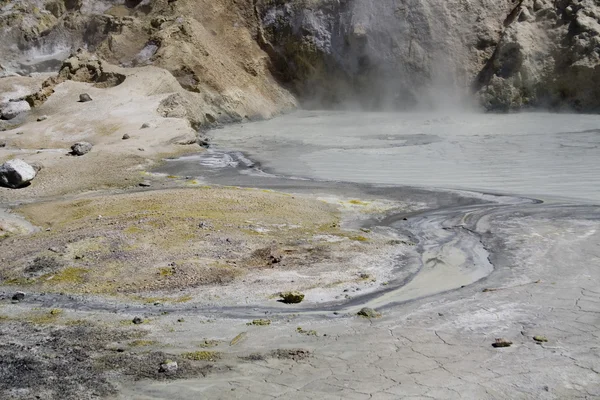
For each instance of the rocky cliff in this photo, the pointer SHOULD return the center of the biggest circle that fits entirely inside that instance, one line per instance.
(238, 58)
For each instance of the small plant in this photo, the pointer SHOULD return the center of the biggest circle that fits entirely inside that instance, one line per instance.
(260, 322)
(305, 332)
(202, 355)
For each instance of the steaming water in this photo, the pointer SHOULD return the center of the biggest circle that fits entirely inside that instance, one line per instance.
(534, 154)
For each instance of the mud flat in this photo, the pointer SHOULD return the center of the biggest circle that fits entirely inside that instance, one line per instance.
(188, 270)
(529, 154)
(490, 266)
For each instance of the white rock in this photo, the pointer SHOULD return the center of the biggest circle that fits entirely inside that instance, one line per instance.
(169, 366)
(13, 108)
(16, 173)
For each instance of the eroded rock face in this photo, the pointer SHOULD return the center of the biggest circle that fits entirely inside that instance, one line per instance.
(548, 56)
(382, 54)
(390, 54)
(16, 173)
(233, 56)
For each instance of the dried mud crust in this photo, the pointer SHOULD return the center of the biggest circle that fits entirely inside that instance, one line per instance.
(77, 362)
(175, 239)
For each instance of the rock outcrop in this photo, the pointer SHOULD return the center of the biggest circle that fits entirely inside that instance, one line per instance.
(381, 54)
(548, 56)
(237, 59)
(389, 54)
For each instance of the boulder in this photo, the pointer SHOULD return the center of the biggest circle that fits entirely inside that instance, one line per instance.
(81, 148)
(12, 109)
(16, 173)
(291, 297)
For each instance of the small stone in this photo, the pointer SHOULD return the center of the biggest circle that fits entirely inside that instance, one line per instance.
(145, 125)
(2, 143)
(19, 133)
(84, 98)
(168, 366)
(369, 313)
(145, 184)
(126, 136)
(540, 339)
(181, 320)
(18, 296)
(293, 297)
(137, 320)
(141, 149)
(42, 118)
(500, 342)
(81, 148)
(16, 173)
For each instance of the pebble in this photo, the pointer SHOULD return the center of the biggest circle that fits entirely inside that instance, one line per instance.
(84, 98)
(126, 136)
(137, 320)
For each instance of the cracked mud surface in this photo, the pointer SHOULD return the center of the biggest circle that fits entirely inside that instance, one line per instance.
(440, 346)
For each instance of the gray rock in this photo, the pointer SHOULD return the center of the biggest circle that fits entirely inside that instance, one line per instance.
(145, 184)
(16, 173)
(42, 118)
(18, 296)
(2, 143)
(137, 320)
(84, 98)
(168, 366)
(145, 125)
(12, 109)
(81, 148)
(126, 136)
